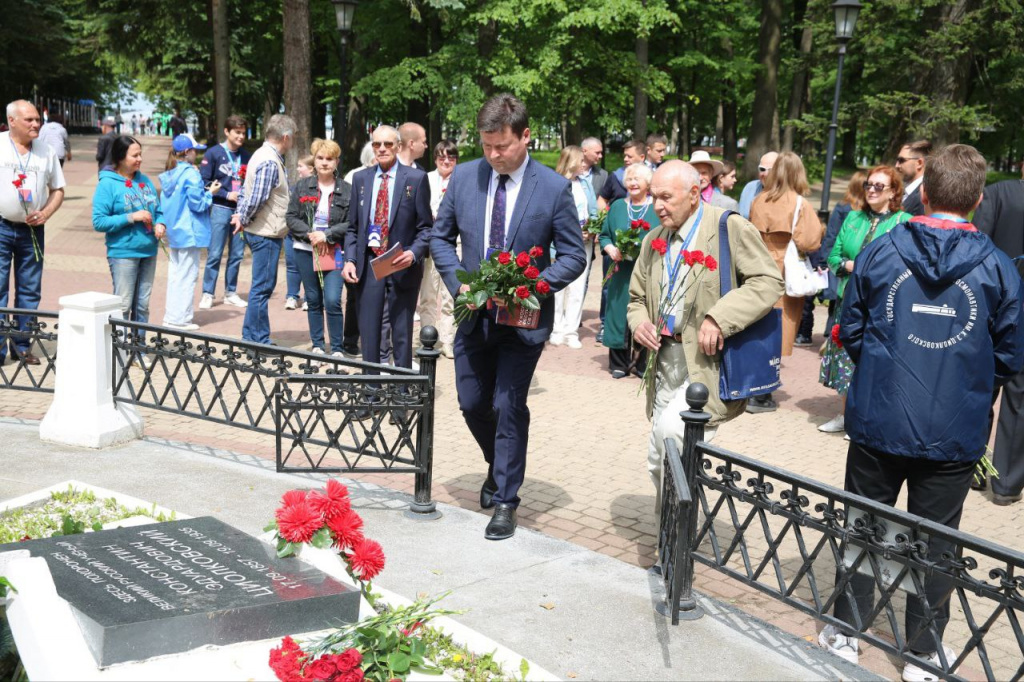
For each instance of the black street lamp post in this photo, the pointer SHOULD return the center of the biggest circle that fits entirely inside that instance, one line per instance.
(846, 12)
(344, 11)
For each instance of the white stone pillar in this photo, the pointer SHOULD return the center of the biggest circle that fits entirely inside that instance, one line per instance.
(83, 411)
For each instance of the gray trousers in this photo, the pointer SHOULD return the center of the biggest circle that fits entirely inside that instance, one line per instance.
(1008, 454)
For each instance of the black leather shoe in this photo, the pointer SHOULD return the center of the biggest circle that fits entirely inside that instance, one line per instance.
(487, 493)
(503, 523)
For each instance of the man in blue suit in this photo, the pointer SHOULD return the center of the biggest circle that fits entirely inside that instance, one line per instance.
(503, 202)
(390, 205)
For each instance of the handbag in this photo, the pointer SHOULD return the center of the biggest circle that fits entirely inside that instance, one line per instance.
(801, 277)
(751, 358)
(334, 259)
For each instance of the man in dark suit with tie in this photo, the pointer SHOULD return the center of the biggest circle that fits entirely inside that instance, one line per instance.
(910, 163)
(391, 205)
(503, 202)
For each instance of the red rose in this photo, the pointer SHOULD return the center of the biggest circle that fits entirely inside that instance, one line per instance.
(710, 263)
(835, 336)
(299, 522)
(128, 183)
(367, 559)
(355, 675)
(634, 224)
(531, 273)
(645, 225)
(536, 252)
(660, 245)
(347, 529)
(322, 668)
(543, 288)
(522, 292)
(523, 259)
(348, 660)
(333, 501)
(504, 257)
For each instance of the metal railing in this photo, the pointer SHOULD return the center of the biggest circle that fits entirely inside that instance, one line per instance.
(38, 339)
(811, 545)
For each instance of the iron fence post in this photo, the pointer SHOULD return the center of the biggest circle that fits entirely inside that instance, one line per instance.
(427, 356)
(695, 420)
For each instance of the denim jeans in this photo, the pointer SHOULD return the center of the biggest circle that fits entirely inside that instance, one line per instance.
(16, 250)
(292, 277)
(133, 282)
(182, 272)
(265, 253)
(220, 234)
(329, 298)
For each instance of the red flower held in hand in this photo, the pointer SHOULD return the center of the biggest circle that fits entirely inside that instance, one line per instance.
(504, 257)
(710, 263)
(531, 273)
(333, 501)
(347, 529)
(348, 660)
(660, 245)
(543, 288)
(536, 252)
(698, 257)
(523, 259)
(835, 336)
(299, 522)
(522, 292)
(367, 559)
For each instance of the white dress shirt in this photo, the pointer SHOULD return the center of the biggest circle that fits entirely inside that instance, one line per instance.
(909, 189)
(512, 187)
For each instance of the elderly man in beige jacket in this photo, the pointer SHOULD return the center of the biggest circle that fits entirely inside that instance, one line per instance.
(704, 319)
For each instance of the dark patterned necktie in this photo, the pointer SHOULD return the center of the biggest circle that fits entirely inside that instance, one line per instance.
(380, 214)
(497, 239)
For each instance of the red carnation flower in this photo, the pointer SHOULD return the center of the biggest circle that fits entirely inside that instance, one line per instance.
(698, 257)
(689, 258)
(128, 183)
(536, 252)
(523, 259)
(22, 176)
(293, 497)
(241, 171)
(710, 263)
(322, 668)
(660, 245)
(347, 529)
(286, 661)
(299, 522)
(504, 257)
(543, 287)
(348, 660)
(355, 675)
(367, 559)
(142, 185)
(522, 292)
(835, 336)
(333, 501)
(531, 273)
(17, 183)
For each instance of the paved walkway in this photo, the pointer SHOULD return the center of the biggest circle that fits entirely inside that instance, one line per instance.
(586, 478)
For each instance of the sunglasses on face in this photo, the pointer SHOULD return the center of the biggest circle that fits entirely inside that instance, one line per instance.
(447, 157)
(387, 144)
(763, 169)
(877, 186)
(904, 159)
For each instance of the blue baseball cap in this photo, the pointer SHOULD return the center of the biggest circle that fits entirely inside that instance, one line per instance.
(184, 142)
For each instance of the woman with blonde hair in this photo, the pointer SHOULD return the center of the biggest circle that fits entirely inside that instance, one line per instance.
(782, 214)
(569, 301)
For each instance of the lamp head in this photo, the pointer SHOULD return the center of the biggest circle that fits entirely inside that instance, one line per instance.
(344, 11)
(846, 12)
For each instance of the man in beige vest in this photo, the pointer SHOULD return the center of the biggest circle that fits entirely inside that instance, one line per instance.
(260, 212)
(703, 319)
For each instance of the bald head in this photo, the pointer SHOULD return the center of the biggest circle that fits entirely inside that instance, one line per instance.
(414, 142)
(676, 192)
(23, 120)
(767, 161)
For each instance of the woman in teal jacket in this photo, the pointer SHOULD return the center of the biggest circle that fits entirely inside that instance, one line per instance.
(882, 212)
(126, 207)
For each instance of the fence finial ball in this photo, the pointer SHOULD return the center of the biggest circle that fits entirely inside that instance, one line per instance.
(428, 337)
(697, 396)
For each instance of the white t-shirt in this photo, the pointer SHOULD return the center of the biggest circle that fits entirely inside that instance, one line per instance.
(43, 174)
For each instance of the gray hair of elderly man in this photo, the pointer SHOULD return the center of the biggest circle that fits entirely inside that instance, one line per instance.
(687, 174)
(12, 107)
(389, 129)
(590, 142)
(279, 126)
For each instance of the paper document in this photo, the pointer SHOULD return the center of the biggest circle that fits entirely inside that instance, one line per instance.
(384, 264)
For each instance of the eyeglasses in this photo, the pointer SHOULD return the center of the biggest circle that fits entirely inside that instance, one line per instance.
(388, 144)
(904, 159)
(877, 186)
(452, 158)
(763, 169)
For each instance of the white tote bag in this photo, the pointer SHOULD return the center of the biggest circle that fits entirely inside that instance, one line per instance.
(801, 278)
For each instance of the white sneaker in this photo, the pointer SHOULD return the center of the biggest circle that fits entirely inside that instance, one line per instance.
(235, 300)
(573, 342)
(847, 648)
(290, 303)
(317, 351)
(846, 437)
(415, 366)
(415, 317)
(305, 305)
(915, 673)
(206, 301)
(556, 339)
(834, 425)
(187, 327)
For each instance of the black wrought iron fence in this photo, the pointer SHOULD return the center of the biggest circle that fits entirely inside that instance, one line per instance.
(29, 349)
(809, 545)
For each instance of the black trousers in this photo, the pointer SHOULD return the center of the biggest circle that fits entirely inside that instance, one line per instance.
(806, 327)
(935, 491)
(351, 319)
(1008, 454)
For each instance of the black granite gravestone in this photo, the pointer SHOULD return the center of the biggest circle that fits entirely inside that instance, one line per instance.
(170, 587)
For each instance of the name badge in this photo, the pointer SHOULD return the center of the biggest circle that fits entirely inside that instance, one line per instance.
(25, 194)
(670, 326)
(373, 236)
(236, 185)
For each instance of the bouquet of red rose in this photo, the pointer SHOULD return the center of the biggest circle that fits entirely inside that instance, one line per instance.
(628, 243)
(512, 280)
(670, 297)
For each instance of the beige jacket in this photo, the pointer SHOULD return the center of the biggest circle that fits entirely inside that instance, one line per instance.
(756, 283)
(269, 219)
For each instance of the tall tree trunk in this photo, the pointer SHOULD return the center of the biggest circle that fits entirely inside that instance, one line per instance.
(685, 148)
(729, 114)
(848, 150)
(640, 100)
(221, 66)
(486, 39)
(803, 40)
(947, 81)
(297, 76)
(762, 125)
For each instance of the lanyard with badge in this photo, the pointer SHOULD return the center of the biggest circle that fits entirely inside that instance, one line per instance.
(24, 189)
(673, 270)
(236, 169)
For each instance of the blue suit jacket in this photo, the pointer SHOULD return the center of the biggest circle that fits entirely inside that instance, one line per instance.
(544, 214)
(409, 221)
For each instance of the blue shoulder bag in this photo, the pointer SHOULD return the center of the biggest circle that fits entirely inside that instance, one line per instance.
(751, 358)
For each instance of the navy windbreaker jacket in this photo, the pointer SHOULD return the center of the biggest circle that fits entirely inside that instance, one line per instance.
(931, 318)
